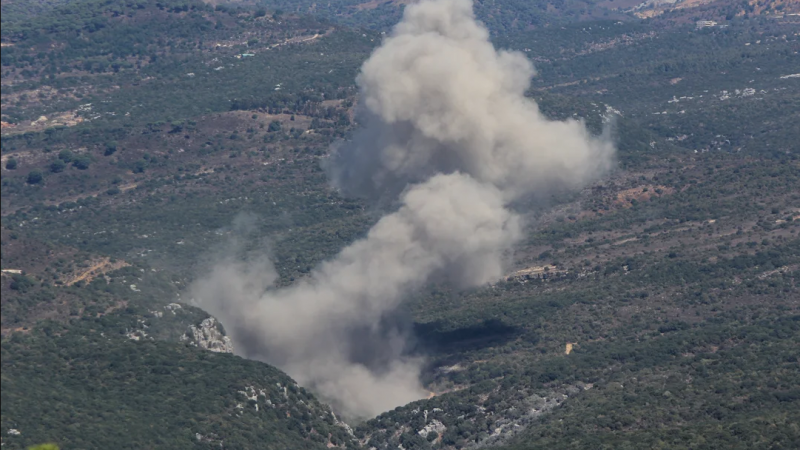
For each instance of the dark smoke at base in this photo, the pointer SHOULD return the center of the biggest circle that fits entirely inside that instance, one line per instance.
(449, 131)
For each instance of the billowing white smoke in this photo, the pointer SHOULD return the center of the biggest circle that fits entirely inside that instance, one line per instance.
(448, 129)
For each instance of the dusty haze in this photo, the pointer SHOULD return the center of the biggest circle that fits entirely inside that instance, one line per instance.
(448, 132)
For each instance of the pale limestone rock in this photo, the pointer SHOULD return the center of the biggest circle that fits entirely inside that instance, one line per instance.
(207, 335)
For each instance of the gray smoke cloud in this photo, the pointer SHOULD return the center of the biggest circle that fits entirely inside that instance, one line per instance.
(439, 98)
(449, 132)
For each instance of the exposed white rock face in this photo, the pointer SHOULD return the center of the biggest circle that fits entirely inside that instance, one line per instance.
(208, 336)
(172, 307)
(342, 424)
(434, 425)
(135, 335)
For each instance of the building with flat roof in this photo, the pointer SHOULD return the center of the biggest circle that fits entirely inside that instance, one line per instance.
(705, 24)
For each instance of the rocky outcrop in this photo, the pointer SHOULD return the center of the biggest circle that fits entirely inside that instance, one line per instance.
(434, 426)
(208, 335)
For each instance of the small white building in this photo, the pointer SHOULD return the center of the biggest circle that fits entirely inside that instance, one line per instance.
(705, 24)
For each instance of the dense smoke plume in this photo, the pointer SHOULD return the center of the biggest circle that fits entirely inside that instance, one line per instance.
(447, 131)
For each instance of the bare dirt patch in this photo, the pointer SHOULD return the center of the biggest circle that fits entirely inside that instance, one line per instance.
(641, 194)
(62, 119)
(96, 268)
